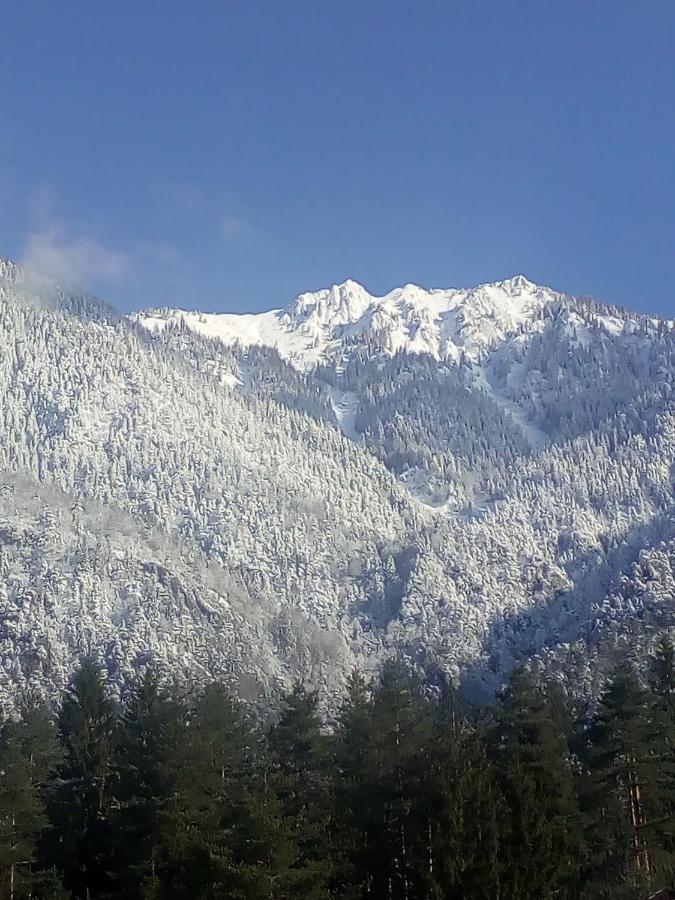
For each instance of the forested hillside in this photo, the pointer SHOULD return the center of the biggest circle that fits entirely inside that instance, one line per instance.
(470, 479)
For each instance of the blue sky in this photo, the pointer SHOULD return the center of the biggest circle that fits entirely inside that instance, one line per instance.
(228, 155)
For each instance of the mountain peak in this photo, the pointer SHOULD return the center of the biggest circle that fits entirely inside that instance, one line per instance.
(518, 282)
(451, 324)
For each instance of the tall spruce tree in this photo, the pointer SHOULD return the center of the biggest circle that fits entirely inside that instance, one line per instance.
(541, 850)
(623, 795)
(22, 816)
(29, 754)
(465, 805)
(216, 782)
(146, 740)
(396, 764)
(80, 842)
(352, 817)
(662, 681)
(300, 776)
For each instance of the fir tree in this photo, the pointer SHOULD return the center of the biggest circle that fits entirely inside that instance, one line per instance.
(623, 793)
(215, 779)
(22, 815)
(466, 805)
(145, 780)
(29, 754)
(300, 780)
(351, 827)
(540, 844)
(80, 844)
(396, 784)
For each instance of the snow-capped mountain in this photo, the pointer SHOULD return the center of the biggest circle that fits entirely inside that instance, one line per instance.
(467, 477)
(454, 325)
(320, 327)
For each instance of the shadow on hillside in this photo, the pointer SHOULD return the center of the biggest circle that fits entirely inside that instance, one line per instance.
(568, 616)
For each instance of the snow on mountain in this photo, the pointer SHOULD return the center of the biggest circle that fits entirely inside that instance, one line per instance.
(286, 494)
(318, 326)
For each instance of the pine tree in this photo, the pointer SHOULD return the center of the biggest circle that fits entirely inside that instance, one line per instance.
(145, 782)
(215, 781)
(396, 766)
(80, 844)
(663, 733)
(540, 847)
(300, 780)
(352, 816)
(22, 815)
(264, 845)
(623, 794)
(29, 753)
(466, 805)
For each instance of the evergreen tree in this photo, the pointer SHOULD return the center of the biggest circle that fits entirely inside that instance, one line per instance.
(299, 776)
(541, 852)
(22, 816)
(624, 797)
(145, 783)
(80, 843)
(407, 799)
(663, 732)
(29, 753)
(352, 819)
(396, 767)
(267, 864)
(214, 775)
(466, 806)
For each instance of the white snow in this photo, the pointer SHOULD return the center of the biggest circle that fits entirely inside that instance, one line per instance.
(537, 438)
(144, 511)
(446, 323)
(345, 405)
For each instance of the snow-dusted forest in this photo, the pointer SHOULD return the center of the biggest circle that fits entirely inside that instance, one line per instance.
(467, 478)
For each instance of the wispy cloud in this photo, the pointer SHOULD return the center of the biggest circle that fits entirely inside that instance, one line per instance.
(53, 252)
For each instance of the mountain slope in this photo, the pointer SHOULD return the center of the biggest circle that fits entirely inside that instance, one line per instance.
(458, 476)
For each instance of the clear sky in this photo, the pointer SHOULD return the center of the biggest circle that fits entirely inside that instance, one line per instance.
(228, 155)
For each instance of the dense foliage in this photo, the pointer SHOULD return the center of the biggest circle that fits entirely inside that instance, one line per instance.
(404, 794)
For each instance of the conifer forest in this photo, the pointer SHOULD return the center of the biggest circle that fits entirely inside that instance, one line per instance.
(403, 793)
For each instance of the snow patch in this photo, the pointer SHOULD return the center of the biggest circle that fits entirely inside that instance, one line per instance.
(345, 405)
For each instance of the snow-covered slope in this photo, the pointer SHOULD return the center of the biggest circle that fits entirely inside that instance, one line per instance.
(317, 327)
(459, 476)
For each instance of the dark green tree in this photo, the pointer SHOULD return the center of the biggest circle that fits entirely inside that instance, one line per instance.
(215, 771)
(22, 816)
(29, 754)
(396, 789)
(144, 821)
(540, 849)
(662, 731)
(466, 805)
(79, 845)
(624, 792)
(351, 791)
(299, 775)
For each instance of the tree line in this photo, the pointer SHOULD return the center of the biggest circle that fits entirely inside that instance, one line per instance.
(404, 795)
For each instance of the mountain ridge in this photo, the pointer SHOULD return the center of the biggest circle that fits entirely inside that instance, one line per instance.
(468, 511)
(452, 323)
